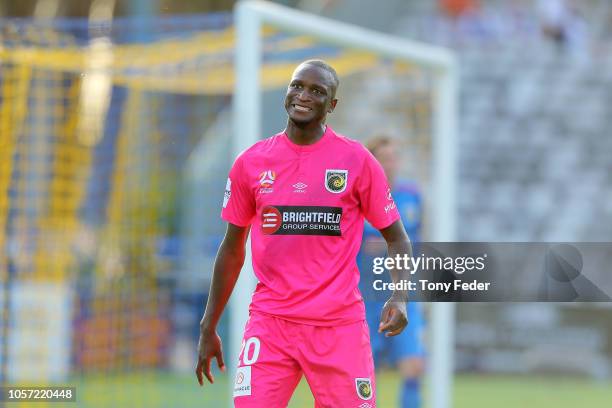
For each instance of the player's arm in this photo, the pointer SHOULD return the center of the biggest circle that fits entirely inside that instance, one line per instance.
(228, 264)
(394, 317)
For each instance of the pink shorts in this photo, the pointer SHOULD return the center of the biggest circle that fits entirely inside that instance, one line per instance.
(337, 362)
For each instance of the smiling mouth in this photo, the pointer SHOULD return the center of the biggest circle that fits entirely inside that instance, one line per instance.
(301, 108)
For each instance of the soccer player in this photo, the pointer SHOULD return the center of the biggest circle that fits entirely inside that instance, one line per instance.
(303, 195)
(404, 351)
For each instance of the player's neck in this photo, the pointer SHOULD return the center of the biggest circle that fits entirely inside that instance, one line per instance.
(306, 135)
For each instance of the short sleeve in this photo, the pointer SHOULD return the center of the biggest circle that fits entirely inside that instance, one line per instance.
(376, 202)
(238, 201)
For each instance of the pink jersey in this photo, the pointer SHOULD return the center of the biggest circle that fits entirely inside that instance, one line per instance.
(306, 207)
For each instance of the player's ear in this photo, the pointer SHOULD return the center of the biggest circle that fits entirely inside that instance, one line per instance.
(332, 105)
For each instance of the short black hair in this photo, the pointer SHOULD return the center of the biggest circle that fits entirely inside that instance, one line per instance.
(324, 65)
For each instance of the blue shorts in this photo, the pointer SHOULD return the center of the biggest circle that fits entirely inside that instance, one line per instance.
(409, 343)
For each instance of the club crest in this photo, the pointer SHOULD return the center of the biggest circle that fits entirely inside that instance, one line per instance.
(364, 388)
(336, 180)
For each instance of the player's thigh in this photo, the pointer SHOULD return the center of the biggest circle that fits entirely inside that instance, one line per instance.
(267, 374)
(338, 365)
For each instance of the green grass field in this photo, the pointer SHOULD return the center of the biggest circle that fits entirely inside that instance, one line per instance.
(471, 391)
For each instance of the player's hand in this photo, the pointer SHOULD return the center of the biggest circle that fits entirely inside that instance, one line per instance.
(209, 347)
(393, 318)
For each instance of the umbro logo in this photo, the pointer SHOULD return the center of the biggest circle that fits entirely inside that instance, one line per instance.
(300, 187)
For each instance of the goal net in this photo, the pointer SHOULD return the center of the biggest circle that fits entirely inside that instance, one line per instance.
(97, 120)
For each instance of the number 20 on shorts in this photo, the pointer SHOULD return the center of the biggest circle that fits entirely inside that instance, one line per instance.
(250, 350)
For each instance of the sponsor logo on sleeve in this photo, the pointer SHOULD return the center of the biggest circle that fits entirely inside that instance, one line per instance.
(301, 220)
(336, 180)
(228, 192)
(389, 207)
(242, 383)
(364, 388)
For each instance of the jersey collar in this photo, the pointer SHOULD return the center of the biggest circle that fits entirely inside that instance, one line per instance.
(311, 147)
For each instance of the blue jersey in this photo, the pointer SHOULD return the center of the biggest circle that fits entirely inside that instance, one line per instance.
(409, 203)
(410, 206)
(408, 343)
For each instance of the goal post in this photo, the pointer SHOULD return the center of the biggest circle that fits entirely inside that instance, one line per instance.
(250, 17)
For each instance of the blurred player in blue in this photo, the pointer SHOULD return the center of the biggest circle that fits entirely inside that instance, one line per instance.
(405, 351)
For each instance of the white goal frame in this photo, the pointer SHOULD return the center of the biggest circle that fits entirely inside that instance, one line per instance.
(249, 18)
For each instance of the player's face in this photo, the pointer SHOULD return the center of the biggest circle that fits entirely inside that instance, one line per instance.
(387, 157)
(310, 95)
